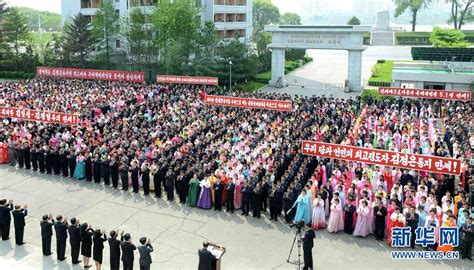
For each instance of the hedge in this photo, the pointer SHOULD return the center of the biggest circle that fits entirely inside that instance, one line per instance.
(375, 96)
(381, 73)
(266, 76)
(422, 38)
(16, 75)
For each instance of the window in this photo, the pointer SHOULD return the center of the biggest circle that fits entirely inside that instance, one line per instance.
(117, 43)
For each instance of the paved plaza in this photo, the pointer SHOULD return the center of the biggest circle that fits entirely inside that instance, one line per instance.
(177, 231)
(326, 74)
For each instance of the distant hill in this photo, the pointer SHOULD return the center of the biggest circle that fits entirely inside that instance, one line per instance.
(49, 21)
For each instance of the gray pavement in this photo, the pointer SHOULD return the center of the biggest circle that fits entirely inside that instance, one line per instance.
(177, 231)
(327, 73)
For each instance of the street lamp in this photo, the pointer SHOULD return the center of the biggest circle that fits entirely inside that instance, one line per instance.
(230, 75)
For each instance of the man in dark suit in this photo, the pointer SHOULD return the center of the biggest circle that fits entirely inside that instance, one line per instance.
(74, 240)
(128, 248)
(19, 215)
(46, 233)
(170, 179)
(206, 259)
(218, 187)
(229, 197)
(308, 244)
(114, 245)
(380, 213)
(60, 227)
(5, 218)
(145, 249)
(412, 219)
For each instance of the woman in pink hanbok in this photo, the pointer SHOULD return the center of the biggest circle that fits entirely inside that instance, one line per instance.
(336, 220)
(364, 223)
(237, 195)
(318, 220)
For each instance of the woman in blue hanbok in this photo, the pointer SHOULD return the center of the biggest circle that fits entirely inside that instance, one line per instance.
(80, 170)
(302, 208)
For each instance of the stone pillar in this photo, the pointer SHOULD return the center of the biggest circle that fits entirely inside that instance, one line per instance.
(354, 72)
(278, 68)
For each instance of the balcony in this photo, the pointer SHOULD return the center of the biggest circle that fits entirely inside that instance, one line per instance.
(90, 3)
(230, 2)
(142, 3)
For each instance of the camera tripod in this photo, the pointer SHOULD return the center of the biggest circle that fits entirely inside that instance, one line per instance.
(297, 238)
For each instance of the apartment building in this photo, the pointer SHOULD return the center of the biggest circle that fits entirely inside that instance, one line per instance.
(231, 17)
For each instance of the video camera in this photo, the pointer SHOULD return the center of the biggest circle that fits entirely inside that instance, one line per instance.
(299, 225)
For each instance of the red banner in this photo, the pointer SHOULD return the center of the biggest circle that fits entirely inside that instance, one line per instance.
(187, 80)
(425, 93)
(91, 74)
(382, 157)
(251, 103)
(41, 116)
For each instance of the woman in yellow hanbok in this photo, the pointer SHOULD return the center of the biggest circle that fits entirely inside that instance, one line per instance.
(449, 223)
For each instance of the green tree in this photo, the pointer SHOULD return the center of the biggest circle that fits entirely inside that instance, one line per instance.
(43, 20)
(56, 53)
(353, 21)
(16, 32)
(414, 6)
(3, 13)
(290, 19)
(244, 62)
(142, 48)
(106, 28)
(176, 24)
(134, 31)
(448, 38)
(264, 54)
(461, 12)
(79, 40)
(264, 12)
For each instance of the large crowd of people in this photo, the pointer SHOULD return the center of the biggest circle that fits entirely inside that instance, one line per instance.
(165, 139)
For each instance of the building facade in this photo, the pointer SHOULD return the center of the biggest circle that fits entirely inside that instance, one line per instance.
(231, 17)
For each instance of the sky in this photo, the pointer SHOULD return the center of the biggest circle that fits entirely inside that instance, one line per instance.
(55, 5)
(47, 5)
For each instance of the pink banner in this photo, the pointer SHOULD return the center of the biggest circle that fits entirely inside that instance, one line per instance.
(91, 74)
(425, 93)
(382, 157)
(41, 116)
(187, 80)
(250, 103)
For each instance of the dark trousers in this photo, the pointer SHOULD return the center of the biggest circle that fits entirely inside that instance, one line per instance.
(273, 211)
(19, 232)
(124, 178)
(114, 263)
(379, 230)
(157, 188)
(115, 180)
(218, 202)
(229, 203)
(308, 259)
(5, 229)
(170, 192)
(46, 245)
(127, 265)
(245, 207)
(142, 267)
(135, 185)
(60, 249)
(146, 187)
(466, 250)
(75, 248)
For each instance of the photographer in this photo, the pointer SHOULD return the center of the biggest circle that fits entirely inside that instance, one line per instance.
(145, 249)
(308, 248)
